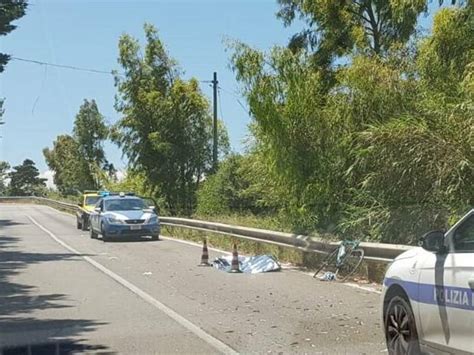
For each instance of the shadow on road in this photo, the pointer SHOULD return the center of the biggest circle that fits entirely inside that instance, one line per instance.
(8, 222)
(57, 348)
(20, 331)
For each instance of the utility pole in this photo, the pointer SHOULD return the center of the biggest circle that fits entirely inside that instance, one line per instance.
(214, 126)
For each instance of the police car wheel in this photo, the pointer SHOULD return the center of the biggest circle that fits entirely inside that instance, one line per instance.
(78, 224)
(105, 237)
(400, 328)
(155, 237)
(92, 234)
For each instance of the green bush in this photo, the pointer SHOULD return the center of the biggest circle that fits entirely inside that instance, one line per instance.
(231, 190)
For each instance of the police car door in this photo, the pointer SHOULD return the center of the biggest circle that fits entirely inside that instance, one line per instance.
(446, 308)
(95, 215)
(459, 273)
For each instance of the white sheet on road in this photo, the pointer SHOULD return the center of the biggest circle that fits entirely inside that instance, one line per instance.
(248, 264)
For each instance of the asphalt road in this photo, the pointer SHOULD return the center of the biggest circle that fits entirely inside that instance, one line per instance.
(59, 288)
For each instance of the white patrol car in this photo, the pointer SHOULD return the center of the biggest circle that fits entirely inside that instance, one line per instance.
(116, 216)
(428, 294)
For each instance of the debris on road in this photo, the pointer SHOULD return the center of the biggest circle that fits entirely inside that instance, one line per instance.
(328, 276)
(248, 264)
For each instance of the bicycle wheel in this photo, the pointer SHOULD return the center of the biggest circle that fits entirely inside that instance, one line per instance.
(350, 264)
(329, 260)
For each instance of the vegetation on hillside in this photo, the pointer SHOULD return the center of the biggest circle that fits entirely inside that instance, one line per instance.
(378, 148)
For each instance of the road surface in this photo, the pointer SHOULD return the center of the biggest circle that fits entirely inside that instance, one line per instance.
(59, 289)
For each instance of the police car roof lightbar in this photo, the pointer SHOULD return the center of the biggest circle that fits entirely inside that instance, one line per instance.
(108, 193)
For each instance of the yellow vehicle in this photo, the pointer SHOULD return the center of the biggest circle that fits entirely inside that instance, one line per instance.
(86, 205)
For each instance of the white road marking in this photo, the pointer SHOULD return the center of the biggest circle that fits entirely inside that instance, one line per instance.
(214, 342)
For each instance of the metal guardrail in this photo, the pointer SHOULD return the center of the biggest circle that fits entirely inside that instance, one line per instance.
(378, 252)
(373, 251)
(69, 207)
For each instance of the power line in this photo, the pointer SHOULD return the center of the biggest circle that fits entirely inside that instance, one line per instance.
(98, 71)
(236, 98)
(63, 66)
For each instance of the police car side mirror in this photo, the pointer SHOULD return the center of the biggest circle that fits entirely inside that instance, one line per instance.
(152, 209)
(434, 241)
(97, 209)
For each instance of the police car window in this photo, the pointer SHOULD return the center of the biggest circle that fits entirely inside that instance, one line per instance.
(464, 236)
(124, 205)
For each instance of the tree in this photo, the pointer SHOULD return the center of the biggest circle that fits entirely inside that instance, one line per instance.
(416, 164)
(4, 167)
(1, 112)
(10, 10)
(446, 57)
(90, 132)
(25, 180)
(79, 161)
(337, 28)
(166, 128)
(71, 170)
(295, 134)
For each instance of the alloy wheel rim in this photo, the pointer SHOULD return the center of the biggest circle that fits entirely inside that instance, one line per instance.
(398, 329)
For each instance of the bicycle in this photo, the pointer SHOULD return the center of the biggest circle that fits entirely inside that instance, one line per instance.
(344, 260)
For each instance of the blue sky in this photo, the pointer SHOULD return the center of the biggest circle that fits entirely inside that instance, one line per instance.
(41, 101)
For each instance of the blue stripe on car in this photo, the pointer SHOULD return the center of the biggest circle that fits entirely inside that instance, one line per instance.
(448, 296)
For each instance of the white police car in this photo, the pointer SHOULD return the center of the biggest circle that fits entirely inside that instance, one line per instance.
(123, 215)
(428, 294)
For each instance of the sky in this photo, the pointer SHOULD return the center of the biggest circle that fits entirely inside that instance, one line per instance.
(41, 101)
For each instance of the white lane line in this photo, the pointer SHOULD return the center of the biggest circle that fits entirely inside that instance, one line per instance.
(214, 342)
